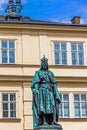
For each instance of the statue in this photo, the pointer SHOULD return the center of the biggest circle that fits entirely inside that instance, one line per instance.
(46, 98)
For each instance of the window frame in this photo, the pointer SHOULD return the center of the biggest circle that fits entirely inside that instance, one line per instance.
(60, 51)
(8, 102)
(69, 56)
(77, 53)
(80, 102)
(62, 102)
(8, 50)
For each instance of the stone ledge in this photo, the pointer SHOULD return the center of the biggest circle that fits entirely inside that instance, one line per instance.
(10, 120)
(49, 127)
(72, 119)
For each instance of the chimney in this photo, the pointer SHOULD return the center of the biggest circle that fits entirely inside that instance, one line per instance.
(75, 20)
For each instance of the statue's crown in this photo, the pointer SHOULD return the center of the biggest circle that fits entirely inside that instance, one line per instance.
(44, 59)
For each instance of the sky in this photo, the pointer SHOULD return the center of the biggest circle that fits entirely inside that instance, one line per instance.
(52, 10)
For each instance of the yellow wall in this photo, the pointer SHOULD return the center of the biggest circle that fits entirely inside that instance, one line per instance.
(31, 45)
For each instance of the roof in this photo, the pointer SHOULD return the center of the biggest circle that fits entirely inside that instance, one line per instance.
(28, 20)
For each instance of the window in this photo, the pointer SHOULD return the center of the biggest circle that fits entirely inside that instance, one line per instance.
(80, 105)
(8, 51)
(60, 53)
(64, 106)
(69, 53)
(77, 53)
(9, 105)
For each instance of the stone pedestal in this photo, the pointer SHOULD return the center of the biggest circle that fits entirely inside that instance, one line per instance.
(49, 127)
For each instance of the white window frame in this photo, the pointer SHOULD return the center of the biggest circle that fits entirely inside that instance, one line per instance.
(62, 102)
(60, 52)
(69, 55)
(7, 50)
(77, 52)
(9, 117)
(80, 104)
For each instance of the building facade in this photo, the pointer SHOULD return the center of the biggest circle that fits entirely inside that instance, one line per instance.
(22, 45)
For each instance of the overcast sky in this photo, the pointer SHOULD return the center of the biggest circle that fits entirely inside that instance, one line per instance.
(53, 10)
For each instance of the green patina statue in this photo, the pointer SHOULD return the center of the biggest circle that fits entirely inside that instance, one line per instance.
(46, 98)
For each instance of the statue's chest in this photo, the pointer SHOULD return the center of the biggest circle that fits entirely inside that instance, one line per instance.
(45, 76)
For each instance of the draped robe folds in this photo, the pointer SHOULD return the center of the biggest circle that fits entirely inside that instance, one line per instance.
(45, 94)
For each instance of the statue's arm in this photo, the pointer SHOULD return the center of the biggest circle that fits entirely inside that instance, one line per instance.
(35, 83)
(35, 88)
(56, 92)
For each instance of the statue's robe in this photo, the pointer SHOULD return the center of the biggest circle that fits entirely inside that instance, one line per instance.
(45, 95)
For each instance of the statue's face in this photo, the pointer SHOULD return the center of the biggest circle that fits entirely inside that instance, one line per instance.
(44, 65)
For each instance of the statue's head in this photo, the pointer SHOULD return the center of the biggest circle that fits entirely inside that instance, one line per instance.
(44, 63)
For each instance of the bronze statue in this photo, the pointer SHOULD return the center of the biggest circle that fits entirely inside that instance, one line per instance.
(46, 98)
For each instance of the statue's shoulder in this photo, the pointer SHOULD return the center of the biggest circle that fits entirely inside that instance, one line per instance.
(38, 71)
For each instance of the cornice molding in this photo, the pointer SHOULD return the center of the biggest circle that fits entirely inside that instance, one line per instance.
(38, 66)
(28, 79)
(61, 27)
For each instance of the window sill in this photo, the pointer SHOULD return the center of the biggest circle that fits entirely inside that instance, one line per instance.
(72, 119)
(10, 120)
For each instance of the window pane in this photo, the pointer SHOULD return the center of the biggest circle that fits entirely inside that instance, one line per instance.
(57, 46)
(65, 97)
(73, 47)
(12, 56)
(5, 113)
(64, 58)
(83, 97)
(12, 106)
(76, 97)
(60, 110)
(5, 97)
(81, 58)
(74, 58)
(57, 58)
(5, 106)
(66, 109)
(4, 56)
(4, 44)
(80, 46)
(12, 114)
(77, 109)
(60, 96)
(83, 108)
(63, 46)
(12, 97)
(11, 44)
